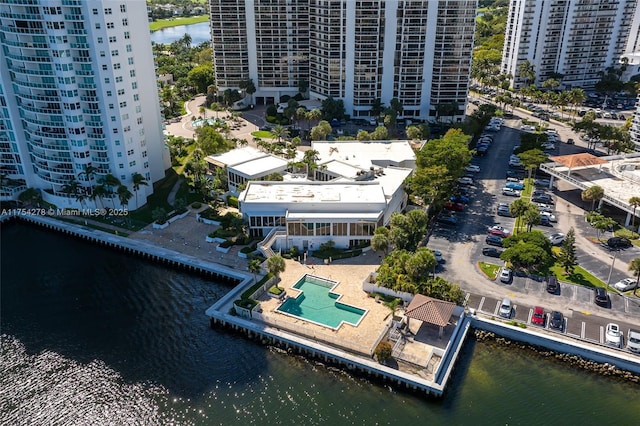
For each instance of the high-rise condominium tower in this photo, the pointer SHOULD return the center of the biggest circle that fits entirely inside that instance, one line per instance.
(575, 38)
(78, 94)
(418, 51)
(634, 131)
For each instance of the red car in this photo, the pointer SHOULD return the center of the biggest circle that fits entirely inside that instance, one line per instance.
(499, 232)
(538, 316)
(457, 207)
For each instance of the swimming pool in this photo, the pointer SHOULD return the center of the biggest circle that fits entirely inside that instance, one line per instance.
(318, 304)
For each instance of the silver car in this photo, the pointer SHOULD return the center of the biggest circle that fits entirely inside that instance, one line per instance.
(505, 308)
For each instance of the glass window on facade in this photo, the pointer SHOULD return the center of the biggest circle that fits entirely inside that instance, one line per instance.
(323, 229)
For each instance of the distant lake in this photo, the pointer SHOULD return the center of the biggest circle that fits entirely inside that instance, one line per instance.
(199, 33)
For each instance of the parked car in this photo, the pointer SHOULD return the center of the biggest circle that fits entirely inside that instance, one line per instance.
(544, 208)
(515, 185)
(541, 182)
(625, 284)
(618, 243)
(613, 335)
(633, 340)
(491, 252)
(544, 220)
(543, 198)
(552, 285)
(570, 141)
(510, 192)
(505, 275)
(600, 297)
(538, 316)
(505, 308)
(515, 174)
(459, 198)
(503, 210)
(447, 220)
(438, 255)
(493, 240)
(472, 168)
(499, 233)
(551, 216)
(556, 321)
(458, 207)
(557, 238)
(465, 181)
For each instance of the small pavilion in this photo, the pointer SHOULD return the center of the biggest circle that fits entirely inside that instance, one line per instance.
(431, 311)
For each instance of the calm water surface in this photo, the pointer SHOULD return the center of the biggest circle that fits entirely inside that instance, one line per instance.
(92, 337)
(199, 33)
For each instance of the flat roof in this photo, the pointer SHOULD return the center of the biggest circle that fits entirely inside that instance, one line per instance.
(314, 192)
(260, 166)
(373, 217)
(364, 154)
(236, 156)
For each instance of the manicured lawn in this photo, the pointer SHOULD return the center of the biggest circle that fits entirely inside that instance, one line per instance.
(174, 22)
(579, 276)
(262, 134)
(489, 269)
(528, 187)
(161, 190)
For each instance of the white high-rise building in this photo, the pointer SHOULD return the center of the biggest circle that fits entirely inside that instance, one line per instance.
(634, 131)
(78, 91)
(575, 38)
(418, 51)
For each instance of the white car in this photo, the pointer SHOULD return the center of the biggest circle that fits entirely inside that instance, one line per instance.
(557, 238)
(551, 216)
(465, 181)
(510, 192)
(472, 168)
(528, 128)
(505, 308)
(613, 336)
(626, 284)
(505, 275)
(544, 208)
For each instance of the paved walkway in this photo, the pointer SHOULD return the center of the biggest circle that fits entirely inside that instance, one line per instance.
(171, 198)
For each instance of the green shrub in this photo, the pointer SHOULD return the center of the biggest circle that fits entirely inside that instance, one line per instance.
(246, 250)
(276, 290)
(226, 244)
(232, 201)
(626, 233)
(196, 205)
(248, 292)
(383, 351)
(272, 119)
(210, 214)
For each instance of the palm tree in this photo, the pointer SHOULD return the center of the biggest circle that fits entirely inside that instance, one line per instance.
(124, 195)
(314, 115)
(635, 202)
(279, 132)
(593, 194)
(71, 188)
(275, 266)
(527, 72)
(255, 266)
(89, 173)
(203, 112)
(99, 192)
(111, 182)
(138, 180)
(634, 266)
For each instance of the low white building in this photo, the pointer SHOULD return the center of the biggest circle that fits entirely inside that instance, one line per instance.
(245, 164)
(357, 187)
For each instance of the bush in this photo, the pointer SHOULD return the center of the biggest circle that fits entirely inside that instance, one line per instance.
(383, 351)
(272, 119)
(626, 233)
(276, 290)
(226, 244)
(247, 250)
(232, 201)
(196, 205)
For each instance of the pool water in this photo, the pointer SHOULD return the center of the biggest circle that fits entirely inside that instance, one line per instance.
(210, 121)
(316, 303)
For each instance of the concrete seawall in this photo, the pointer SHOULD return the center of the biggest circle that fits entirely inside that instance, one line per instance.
(137, 248)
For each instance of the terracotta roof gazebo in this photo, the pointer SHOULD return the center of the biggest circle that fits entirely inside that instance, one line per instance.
(577, 160)
(430, 310)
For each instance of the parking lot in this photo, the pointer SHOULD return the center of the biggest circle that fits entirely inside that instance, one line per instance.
(590, 328)
(462, 244)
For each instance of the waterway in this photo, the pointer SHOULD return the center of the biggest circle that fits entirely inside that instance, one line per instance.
(199, 33)
(92, 337)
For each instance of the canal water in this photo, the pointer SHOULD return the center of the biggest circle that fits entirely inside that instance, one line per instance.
(92, 337)
(199, 33)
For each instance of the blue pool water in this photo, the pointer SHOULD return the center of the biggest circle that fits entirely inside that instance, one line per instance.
(211, 121)
(317, 304)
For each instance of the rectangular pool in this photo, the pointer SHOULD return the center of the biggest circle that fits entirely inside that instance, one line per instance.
(318, 304)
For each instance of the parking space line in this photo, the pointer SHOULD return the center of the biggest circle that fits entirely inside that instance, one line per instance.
(481, 303)
(582, 331)
(601, 334)
(495, 311)
(529, 316)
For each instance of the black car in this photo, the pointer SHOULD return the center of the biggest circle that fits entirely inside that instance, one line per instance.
(545, 199)
(515, 174)
(570, 141)
(556, 321)
(601, 298)
(491, 252)
(552, 285)
(618, 243)
(493, 240)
